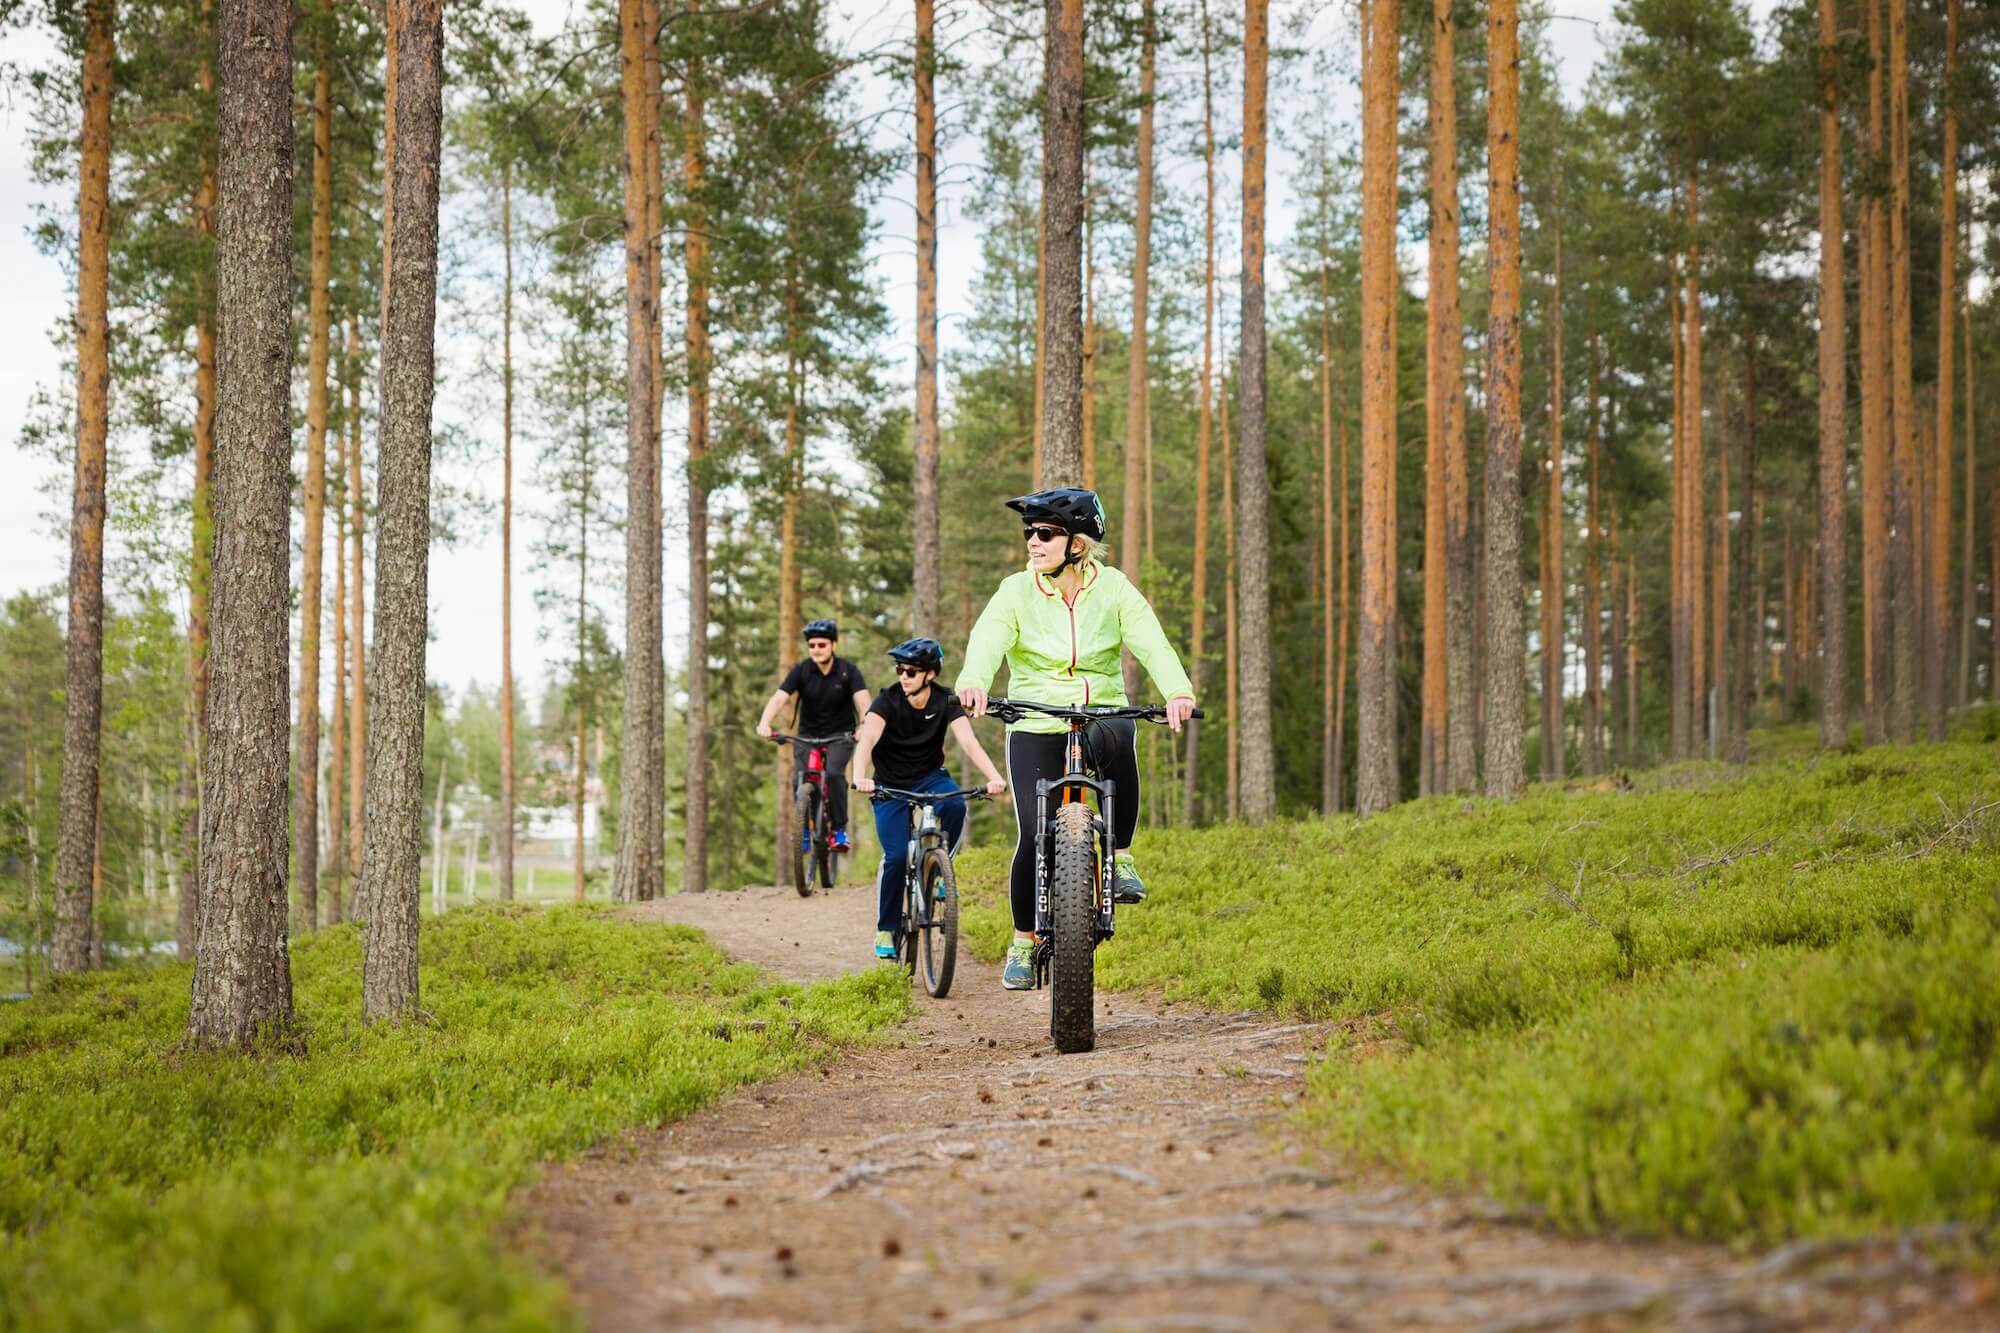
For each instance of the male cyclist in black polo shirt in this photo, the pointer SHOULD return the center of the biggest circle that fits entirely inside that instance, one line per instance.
(831, 695)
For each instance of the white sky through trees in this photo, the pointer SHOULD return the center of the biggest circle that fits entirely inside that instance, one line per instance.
(35, 299)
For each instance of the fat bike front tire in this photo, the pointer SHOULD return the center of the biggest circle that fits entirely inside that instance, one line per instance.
(1073, 919)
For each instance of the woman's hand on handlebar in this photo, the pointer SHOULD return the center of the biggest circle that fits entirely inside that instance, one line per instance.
(864, 784)
(1179, 710)
(973, 700)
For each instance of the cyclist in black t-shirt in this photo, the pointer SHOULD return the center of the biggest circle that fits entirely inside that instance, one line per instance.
(902, 740)
(831, 694)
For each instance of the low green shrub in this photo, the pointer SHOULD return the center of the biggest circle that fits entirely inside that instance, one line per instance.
(1702, 1000)
(1789, 1091)
(361, 1184)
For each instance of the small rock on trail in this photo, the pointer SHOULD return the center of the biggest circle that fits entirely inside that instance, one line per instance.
(966, 1175)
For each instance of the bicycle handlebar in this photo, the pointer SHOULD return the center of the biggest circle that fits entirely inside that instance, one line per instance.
(928, 797)
(779, 737)
(1010, 710)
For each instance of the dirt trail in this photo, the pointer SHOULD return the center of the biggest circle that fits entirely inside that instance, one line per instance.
(969, 1176)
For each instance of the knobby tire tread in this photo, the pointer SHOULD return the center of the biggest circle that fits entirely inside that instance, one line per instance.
(1073, 913)
(804, 816)
(940, 941)
(822, 853)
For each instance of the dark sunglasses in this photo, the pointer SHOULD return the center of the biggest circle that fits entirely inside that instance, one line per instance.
(1036, 533)
(910, 671)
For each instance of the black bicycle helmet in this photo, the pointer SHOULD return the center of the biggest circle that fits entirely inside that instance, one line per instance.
(925, 653)
(1075, 510)
(822, 629)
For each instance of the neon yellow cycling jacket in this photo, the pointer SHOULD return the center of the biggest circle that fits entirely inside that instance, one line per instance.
(1059, 653)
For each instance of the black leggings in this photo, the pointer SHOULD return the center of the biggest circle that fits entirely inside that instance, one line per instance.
(1113, 749)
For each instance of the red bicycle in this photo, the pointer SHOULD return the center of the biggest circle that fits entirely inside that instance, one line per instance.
(814, 850)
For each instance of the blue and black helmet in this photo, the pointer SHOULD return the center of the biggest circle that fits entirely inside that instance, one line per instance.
(925, 653)
(822, 629)
(1076, 511)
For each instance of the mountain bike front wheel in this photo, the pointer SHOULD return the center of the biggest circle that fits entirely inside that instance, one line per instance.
(1073, 926)
(805, 819)
(823, 844)
(939, 896)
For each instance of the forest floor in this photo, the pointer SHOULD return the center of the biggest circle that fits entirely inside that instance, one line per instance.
(963, 1174)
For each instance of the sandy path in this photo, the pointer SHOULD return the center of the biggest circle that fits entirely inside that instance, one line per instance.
(967, 1175)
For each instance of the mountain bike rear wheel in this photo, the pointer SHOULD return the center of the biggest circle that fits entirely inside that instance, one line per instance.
(1073, 879)
(805, 817)
(940, 930)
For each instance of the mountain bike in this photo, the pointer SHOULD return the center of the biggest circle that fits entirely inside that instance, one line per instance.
(1074, 895)
(813, 852)
(930, 891)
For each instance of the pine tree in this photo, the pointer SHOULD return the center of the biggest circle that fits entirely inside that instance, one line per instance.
(926, 607)
(394, 790)
(1257, 776)
(1506, 654)
(1061, 451)
(1199, 602)
(83, 685)
(1376, 781)
(1832, 395)
(242, 974)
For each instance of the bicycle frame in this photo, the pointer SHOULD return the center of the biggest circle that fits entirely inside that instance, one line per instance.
(1077, 779)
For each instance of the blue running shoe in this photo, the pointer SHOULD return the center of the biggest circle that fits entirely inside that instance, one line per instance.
(885, 944)
(840, 843)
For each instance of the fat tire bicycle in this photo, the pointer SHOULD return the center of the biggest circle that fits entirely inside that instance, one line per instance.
(929, 923)
(1075, 897)
(812, 852)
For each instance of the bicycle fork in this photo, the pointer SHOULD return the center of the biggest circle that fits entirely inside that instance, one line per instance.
(1102, 822)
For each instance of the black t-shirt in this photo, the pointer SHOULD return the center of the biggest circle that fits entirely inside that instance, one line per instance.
(912, 744)
(826, 700)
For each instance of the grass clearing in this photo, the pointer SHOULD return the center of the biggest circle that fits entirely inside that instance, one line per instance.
(1571, 986)
(363, 1184)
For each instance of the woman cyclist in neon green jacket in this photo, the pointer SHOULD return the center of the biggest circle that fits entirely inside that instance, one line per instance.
(1059, 625)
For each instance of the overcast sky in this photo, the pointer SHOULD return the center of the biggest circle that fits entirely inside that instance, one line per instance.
(35, 298)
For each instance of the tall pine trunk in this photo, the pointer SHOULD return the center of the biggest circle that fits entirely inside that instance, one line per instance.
(1256, 775)
(694, 877)
(242, 973)
(505, 850)
(790, 616)
(1593, 583)
(926, 603)
(187, 915)
(1192, 781)
(1552, 537)
(1377, 785)
(1905, 666)
(357, 589)
(1506, 653)
(1061, 452)
(1233, 736)
(638, 876)
(1743, 586)
(305, 817)
(1832, 398)
(1329, 756)
(1937, 652)
(394, 790)
(1694, 527)
(1968, 593)
(83, 676)
(336, 770)
(1137, 378)
(1442, 760)
(1461, 732)
(1875, 412)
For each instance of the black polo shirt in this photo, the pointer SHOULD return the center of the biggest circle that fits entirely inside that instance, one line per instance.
(912, 744)
(825, 701)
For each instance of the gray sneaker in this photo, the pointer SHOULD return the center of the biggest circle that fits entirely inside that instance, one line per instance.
(1019, 974)
(1126, 886)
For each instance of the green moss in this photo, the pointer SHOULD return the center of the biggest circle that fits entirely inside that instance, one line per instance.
(363, 1183)
(1585, 984)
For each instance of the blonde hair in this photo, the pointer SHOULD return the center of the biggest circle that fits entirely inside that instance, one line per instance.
(1093, 549)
